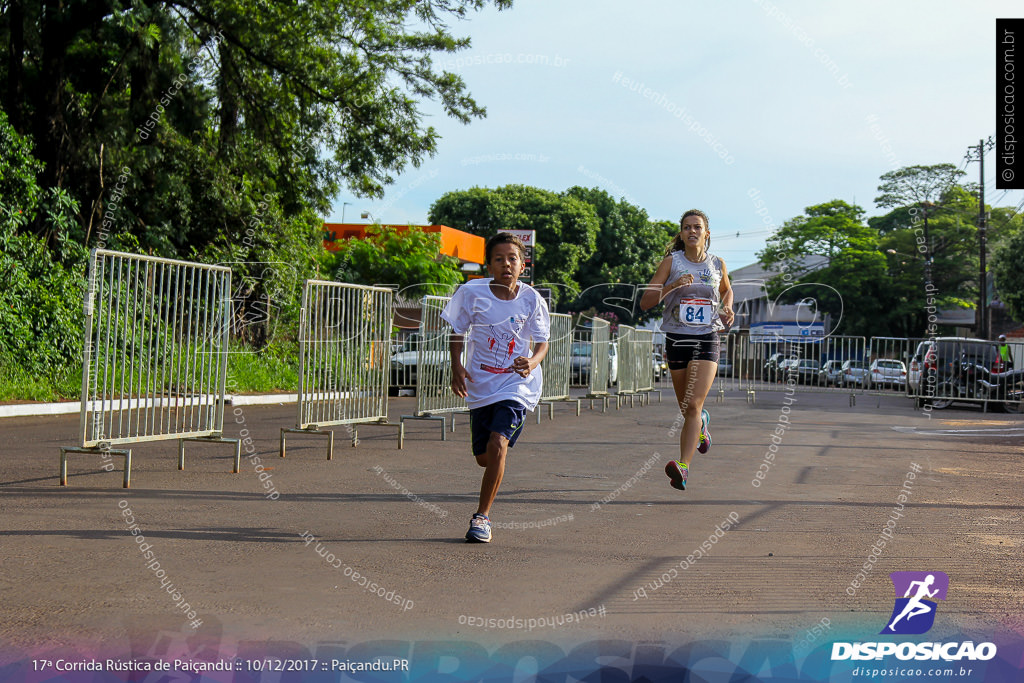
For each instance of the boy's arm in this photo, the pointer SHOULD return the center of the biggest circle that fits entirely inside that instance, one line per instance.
(523, 366)
(459, 374)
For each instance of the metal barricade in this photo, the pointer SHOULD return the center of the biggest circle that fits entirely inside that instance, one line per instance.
(344, 353)
(154, 359)
(600, 363)
(644, 342)
(434, 395)
(729, 366)
(888, 365)
(556, 365)
(944, 371)
(810, 364)
(600, 340)
(579, 358)
(636, 369)
(628, 380)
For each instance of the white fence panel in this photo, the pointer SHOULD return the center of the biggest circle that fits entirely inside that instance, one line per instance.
(154, 361)
(344, 359)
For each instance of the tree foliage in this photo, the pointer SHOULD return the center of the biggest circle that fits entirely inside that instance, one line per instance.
(628, 249)
(1008, 269)
(407, 260)
(41, 300)
(852, 285)
(218, 130)
(566, 227)
(917, 185)
(933, 231)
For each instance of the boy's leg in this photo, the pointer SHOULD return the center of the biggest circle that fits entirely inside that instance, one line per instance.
(494, 462)
(495, 429)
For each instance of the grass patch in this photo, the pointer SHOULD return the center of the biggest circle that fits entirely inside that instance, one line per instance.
(274, 369)
(18, 384)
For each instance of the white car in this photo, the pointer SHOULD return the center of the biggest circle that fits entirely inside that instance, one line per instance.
(658, 366)
(613, 363)
(831, 373)
(887, 372)
(855, 372)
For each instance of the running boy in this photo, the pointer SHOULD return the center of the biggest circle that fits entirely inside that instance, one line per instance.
(500, 316)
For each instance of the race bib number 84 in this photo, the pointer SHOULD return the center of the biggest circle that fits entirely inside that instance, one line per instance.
(695, 312)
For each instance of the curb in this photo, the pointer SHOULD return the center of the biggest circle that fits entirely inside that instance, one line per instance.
(71, 407)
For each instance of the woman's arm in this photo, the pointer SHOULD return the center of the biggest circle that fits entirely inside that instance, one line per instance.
(657, 289)
(725, 293)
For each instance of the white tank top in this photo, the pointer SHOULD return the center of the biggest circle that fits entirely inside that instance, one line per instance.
(693, 309)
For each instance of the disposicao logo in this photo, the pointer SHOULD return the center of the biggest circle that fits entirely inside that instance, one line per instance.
(916, 592)
(914, 613)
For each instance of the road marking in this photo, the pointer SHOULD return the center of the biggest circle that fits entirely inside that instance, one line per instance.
(1004, 431)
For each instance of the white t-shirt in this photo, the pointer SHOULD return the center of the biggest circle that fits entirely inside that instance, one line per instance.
(498, 332)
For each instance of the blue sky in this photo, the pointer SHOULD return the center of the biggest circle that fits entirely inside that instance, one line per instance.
(675, 105)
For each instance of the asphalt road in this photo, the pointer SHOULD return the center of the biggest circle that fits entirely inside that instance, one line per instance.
(585, 524)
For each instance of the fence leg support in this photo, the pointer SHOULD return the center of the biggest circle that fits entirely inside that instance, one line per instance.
(210, 439)
(426, 417)
(312, 431)
(93, 451)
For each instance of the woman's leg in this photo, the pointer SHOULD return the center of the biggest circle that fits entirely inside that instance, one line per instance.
(691, 385)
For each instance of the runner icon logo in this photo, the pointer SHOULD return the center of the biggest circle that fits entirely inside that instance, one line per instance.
(916, 593)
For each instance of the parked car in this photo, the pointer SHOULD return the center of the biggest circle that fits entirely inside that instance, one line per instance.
(887, 372)
(831, 372)
(409, 358)
(936, 357)
(855, 373)
(724, 367)
(805, 369)
(579, 362)
(658, 366)
(613, 363)
(771, 372)
(786, 366)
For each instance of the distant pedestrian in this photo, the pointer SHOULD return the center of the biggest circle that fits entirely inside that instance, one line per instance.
(695, 287)
(1005, 355)
(500, 316)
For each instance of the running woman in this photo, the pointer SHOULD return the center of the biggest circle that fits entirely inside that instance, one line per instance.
(698, 304)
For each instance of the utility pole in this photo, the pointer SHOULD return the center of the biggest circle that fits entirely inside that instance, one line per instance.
(983, 321)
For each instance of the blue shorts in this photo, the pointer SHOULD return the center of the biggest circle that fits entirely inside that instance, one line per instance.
(504, 417)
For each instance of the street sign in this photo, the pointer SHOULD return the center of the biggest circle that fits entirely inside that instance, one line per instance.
(529, 238)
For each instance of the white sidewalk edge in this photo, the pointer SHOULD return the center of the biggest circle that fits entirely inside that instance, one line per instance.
(71, 407)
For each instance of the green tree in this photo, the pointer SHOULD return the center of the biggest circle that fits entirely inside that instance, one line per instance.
(919, 186)
(566, 227)
(221, 130)
(628, 250)
(1008, 269)
(852, 285)
(931, 239)
(406, 260)
(41, 300)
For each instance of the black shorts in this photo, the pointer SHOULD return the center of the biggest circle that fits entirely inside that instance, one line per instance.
(504, 417)
(680, 349)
